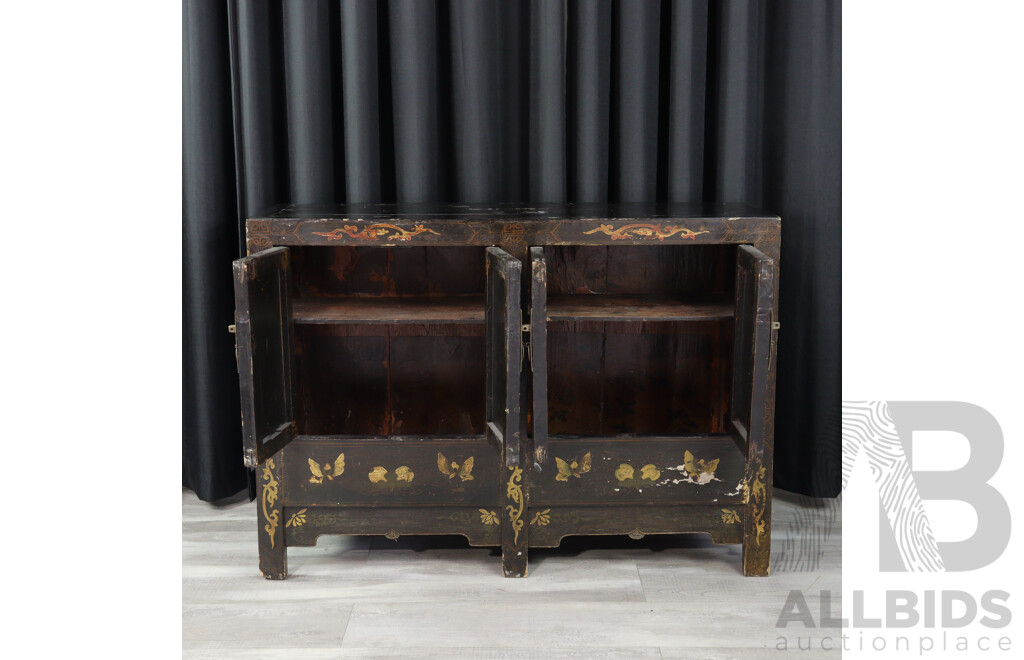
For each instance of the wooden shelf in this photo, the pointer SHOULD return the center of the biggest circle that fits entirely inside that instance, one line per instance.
(326, 311)
(592, 307)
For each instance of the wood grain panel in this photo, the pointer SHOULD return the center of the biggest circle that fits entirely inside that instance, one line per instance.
(420, 310)
(638, 308)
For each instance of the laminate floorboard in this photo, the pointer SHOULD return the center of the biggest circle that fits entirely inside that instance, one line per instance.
(437, 597)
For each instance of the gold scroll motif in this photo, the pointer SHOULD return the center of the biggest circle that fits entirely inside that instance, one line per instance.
(327, 471)
(268, 498)
(380, 230)
(452, 469)
(572, 468)
(515, 492)
(647, 231)
(757, 495)
(297, 519)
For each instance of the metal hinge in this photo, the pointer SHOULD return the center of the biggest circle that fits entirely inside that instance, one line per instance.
(527, 347)
(773, 341)
(231, 329)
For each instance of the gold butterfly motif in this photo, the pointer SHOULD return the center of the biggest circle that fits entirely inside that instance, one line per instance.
(327, 471)
(699, 471)
(573, 469)
(453, 469)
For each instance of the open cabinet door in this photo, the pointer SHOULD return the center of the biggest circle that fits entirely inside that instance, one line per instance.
(752, 361)
(504, 352)
(504, 396)
(264, 348)
(539, 352)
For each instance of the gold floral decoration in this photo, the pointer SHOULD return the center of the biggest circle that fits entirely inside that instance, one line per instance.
(297, 519)
(625, 472)
(572, 468)
(650, 472)
(488, 517)
(541, 518)
(380, 475)
(730, 517)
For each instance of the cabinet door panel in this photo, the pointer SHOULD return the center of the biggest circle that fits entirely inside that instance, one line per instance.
(504, 339)
(504, 344)
(539, 351)
(752, 345)
(263, 337)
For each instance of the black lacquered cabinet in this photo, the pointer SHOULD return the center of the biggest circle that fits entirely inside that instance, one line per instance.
(514, 375)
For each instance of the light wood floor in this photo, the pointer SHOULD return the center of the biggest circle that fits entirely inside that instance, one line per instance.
(436, 597)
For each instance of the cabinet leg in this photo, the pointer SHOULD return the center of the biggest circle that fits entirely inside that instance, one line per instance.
(273, 562)
(757, 524)
(514, 545)
(273, 555)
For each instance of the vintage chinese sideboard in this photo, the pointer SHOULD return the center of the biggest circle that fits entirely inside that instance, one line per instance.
(515, 375)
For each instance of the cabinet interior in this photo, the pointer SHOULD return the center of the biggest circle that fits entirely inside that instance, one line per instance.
(639, 339)
(389, 341)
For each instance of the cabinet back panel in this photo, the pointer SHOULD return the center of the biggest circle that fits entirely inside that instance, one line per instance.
(437, 385)
(341, 382)
(672, 382)
(640, 269)
(374, 271)
(388, 384)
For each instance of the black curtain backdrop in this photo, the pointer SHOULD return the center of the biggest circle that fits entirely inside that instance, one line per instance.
(487, 101)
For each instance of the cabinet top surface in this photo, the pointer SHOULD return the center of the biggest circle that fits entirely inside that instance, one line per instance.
(519, 212)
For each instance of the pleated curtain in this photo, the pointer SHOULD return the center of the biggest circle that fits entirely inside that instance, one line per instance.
(504, 101)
